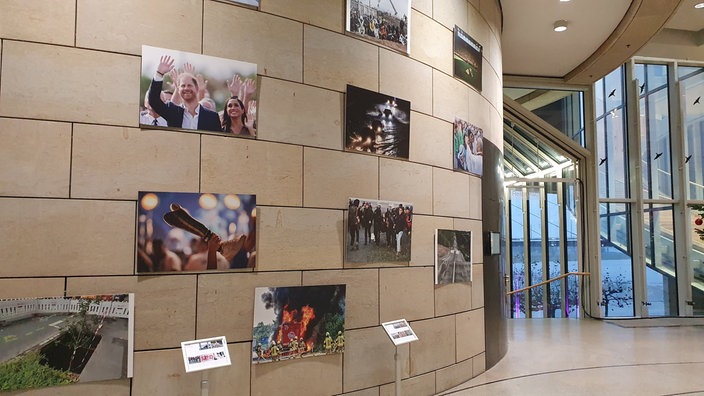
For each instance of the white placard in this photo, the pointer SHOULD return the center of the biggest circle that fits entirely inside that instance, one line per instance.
(205, 354)
(399, 331)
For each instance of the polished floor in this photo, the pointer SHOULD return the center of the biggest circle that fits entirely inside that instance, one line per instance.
(593, 357)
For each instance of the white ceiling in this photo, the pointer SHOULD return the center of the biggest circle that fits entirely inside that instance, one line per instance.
(601, 34)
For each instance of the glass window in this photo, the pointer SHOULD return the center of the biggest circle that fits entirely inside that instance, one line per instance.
(661, 271)
(612, 142)
(616, 261)
(692, 88)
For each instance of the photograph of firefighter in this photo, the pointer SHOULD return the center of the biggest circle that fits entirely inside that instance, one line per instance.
(378, 231)
(384, 22)
(468, 147)
(376, 123)
(467, 62)
(453, 256)
(195, 232)
(297, 322)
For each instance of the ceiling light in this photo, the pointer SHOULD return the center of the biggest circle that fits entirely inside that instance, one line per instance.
(699, 5)
(560, 26)
(564, 1)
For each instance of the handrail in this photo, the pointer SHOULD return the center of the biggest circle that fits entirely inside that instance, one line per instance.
(547, 281)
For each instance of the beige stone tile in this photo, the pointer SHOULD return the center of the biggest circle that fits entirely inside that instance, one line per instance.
(102, 388)
(118, 162)
(492, 90)
(493, 58)
(451, 193)
(75, 84)
(451, 376)
(478, 364)
(470, 334)
(491, 11)
(475, 193)
(333, 60)
(295, 376)
(330, 178)
(406, 293)
(422, 385)
(477, 286)
(159, 23)
(480, 112)
(216, 291)
(431, 141)
(299, 239)
(407, 79)
(163, 373)
(364, 392)
(424, 6)
(277, 53)
(361, 293)
(51, 237)
(451, 13)
(369, 358)
(475, 227)
(326, 14)
(164, 306)
(32, 20)
(454, 297)
(318, 113)
(35, 158)
(271, 171)
(431, 43)
(223, 381)
(423, 238)
(31, 287)
(450, 98)
(435, 346)
(407, 182)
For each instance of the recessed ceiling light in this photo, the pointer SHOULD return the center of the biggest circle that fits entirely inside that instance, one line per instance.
(560, 26)
(564, 1)
(699, 5)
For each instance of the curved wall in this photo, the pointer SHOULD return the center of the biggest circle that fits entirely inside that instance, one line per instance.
(73, 160)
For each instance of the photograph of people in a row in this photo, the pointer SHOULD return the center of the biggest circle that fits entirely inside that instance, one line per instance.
(378, 231)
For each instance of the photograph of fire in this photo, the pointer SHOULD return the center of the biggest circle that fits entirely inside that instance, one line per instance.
(297, 322)
(50, 341)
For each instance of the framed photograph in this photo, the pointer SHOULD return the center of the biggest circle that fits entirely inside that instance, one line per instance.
(378, 231)
(206, 353)
(376, 123)
(297, 322)
(195, 232)
(386, 22)
(65, 340)
(197, 92)
(453, 256)
(468, 147)
(399, 331)
(467, 59)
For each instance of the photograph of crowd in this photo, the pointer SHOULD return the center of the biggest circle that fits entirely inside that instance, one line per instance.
(384, 22)
(378, 231)
(468, 151)
(453, 256)
(197, 92)
(467, 63)
(376, 123)
(195, 232)
(50, 341)
(297, 322)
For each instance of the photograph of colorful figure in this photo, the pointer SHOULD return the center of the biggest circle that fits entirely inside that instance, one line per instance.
(195, 232)
(468, 147)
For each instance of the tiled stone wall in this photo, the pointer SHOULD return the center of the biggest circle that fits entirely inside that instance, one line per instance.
(73, 158)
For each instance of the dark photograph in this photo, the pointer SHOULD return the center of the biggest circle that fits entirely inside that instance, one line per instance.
(377, 123)
(467, 63)
(453, 256)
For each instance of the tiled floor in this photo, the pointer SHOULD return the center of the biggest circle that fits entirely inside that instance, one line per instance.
(591, 357)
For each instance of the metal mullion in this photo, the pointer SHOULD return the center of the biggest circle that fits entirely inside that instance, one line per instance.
(543, 196)
(562, 235)
(526, 250)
